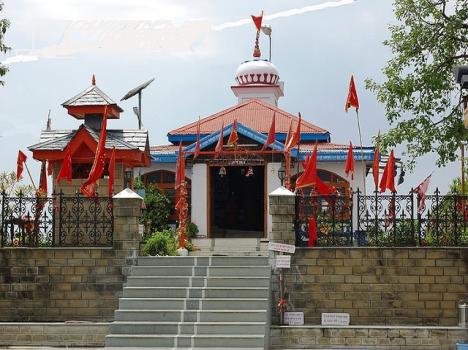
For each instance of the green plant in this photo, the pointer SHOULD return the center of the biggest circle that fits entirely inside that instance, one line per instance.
(157, 208)
(160, 243)
(191, 230)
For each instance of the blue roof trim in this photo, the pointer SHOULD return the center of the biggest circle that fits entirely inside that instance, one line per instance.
(278, 136)
(164, 158)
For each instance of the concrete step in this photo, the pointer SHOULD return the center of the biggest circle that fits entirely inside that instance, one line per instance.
(202, 261)
(214, 271)
(192, 315)
(192, 304)
(195, 292)
(138, 327)
(167, 340)
(178, 281)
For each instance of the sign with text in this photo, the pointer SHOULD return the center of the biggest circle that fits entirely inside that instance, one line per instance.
(294, 318)
(280, 247)
(283, 261)
(335, 319)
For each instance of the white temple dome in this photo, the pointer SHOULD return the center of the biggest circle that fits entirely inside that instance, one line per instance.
(257, 72)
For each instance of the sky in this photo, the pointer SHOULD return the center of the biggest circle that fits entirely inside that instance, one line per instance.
(192, 49)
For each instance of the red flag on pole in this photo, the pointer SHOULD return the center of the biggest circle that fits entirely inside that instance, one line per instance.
(50, 169)
(89, 186)
(271, 134)
(388, 177)
(258, 21)
(180, 167)
(233, 137)
(297, 135)
(197, 144)
(352, 99)
(421, 191)
(111, 171)
(375, 167)
(19, 164)
(312, 232)
(309, 176)
(42, 190)
(65, 171)
(349, 166)
(288, 135)
(219, 145)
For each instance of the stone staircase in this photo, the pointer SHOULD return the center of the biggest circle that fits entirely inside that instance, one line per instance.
(230, 246)
(194, 302)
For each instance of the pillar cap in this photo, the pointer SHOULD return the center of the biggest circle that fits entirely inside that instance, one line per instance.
(127, 194)
(282, 191)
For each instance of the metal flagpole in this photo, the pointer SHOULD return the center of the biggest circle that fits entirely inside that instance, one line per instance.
(30, 177)
(362, 153)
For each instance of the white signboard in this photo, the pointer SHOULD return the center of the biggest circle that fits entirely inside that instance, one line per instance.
(280, 247)
(141, 229)
(335, 319)
(283, 261)
(294, 318)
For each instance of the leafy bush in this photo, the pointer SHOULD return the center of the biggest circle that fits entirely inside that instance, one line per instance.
(160, 243)
(191, 230)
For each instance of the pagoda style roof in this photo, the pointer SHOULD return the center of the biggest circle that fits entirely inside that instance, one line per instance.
(57, 140)
(254, 114)
(92, 96)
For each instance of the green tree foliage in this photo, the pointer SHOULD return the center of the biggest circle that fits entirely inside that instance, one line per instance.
(12, 187)
(4, 24)
(160, 243)
(421, 98)
(157, 209)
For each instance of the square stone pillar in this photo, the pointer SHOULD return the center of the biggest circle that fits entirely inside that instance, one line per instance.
(282, 209)
(127, 212)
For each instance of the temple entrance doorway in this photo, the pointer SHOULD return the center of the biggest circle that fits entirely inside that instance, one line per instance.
(237, 201)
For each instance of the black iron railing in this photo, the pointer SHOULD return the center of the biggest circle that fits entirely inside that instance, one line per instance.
(58, 220)
(383, 219)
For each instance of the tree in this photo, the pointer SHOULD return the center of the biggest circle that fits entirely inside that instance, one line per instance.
(421, 97)
(4, 24)
(12, 187)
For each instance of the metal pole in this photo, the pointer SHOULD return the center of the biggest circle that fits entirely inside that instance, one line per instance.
(269, 36)
(30, 177)
(362, 154)
(139, 110)
(462, 149)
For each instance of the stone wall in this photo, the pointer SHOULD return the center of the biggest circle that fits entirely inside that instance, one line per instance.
(379, 286)
(370, 337)
(76, 283)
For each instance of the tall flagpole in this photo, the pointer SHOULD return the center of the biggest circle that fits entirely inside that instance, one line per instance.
(362, 153)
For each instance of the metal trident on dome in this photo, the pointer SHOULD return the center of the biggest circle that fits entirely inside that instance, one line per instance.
(258, 24)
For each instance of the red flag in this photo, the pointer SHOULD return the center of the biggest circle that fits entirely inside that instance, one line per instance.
(349, 167)
(180, 167)
(65, 171)
(421, 191)
(197, 144)
(388, 178)
(111, 171)
(42, 190)
(258, 21)
(312, 232)
(50, 169)
(219, 145)
(233, 137)
(352, 100)
(322, 188)
(19, 164)
(89, 186)
(297, 135)
(271, 134)
(289, 134)
(375, 167)
(309, 176)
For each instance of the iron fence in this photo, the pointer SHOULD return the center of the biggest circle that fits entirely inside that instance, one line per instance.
(58, 220)
(383, 219)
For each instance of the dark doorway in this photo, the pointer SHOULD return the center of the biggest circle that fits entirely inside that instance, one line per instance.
(237, 201)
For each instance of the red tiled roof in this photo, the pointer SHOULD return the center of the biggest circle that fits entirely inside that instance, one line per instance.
(254, 114)
(164, 149)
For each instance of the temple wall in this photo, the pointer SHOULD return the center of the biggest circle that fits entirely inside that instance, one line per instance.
(200, 198)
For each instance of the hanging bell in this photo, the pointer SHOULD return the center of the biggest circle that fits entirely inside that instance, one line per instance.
(222, 171)
(250, 172)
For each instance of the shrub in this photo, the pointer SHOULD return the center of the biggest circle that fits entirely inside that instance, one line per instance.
(160, 243)
(157, 209)
(191, 230)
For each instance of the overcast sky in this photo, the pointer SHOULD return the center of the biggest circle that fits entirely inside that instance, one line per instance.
(193, 48)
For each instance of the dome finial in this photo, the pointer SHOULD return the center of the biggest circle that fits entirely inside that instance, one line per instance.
(93, 80)
(258, 24)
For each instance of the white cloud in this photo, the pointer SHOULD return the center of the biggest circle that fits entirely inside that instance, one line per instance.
(19, 58)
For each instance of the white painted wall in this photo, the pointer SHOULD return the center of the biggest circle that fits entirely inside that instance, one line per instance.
(273, 182)
(200, 198)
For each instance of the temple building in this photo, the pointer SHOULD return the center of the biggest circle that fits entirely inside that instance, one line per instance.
(132, 146)
(228, 192)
